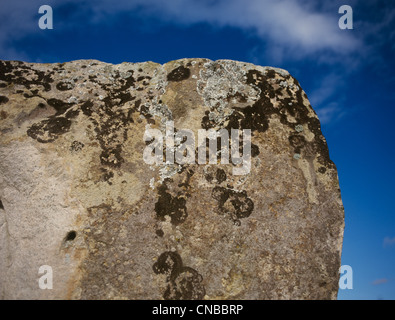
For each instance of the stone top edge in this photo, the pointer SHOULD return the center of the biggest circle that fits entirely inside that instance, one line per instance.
(281, 71)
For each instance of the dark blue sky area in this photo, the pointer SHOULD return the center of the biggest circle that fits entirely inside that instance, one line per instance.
(348, 75)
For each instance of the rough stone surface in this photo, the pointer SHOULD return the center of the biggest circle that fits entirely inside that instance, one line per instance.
(76, 194)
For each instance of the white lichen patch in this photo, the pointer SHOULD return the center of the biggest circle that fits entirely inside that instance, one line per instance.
(152, 183)
(222, 85)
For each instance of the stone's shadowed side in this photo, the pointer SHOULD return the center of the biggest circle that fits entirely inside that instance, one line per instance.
(77, 195)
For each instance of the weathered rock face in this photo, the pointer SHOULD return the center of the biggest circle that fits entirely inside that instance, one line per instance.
(77, 194)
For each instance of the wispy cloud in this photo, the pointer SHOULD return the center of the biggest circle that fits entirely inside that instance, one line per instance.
(330, 112)
(286, 24)
(325, 100)
(326, 88)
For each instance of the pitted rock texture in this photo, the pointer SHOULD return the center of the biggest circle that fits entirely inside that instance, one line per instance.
(76, 194)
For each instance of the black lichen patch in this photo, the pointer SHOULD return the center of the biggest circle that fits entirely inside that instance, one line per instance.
(111, 157)
(17, 72)
(251, 117)
(48, 130)
(209, 176)
(112, 132)
(235, 204)
(320, 144)
(179, 74)
(255, 77)
(186, 183)
(183, 283)
(220, 175)
(110, 121)
(76, 146)
(206, 122)
(254, 150)
(300, 112)
(291, 110)
(72, 113)
(298, 142)
(64, 86)
(86, 108)
(213, 175)
(254, 117)
(59, 105)
(143, 79)
(3, 99)
(169, 263)
(172, 206)
(186, 286)
(271, 73)
(321, 169)
(107, 175)
(239, 97)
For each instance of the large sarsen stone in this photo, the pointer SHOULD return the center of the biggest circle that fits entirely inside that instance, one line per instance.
(77, 195)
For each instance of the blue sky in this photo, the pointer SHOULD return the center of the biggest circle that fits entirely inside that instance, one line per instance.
(348, 75)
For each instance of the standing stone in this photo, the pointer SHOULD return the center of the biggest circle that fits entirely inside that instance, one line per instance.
(77, 195)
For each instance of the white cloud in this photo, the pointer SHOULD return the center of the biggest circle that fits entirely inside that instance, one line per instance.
(289, 23)
(286, 24)
(330, 112)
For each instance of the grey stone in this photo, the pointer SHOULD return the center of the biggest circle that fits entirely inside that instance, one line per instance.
(76, 194)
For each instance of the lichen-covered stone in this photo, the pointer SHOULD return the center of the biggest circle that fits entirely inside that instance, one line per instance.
(76, 194)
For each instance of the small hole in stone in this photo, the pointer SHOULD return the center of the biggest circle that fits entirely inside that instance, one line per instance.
(159, 233)
(1, 205)
(71, 236)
